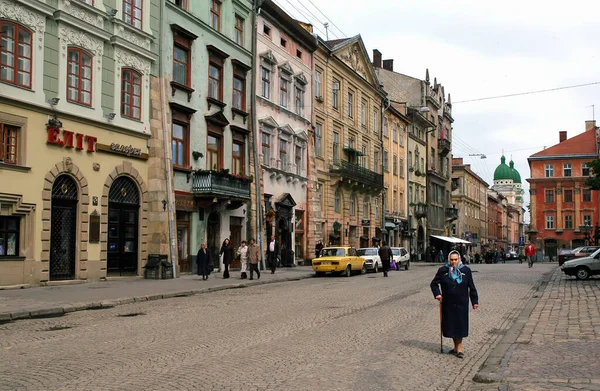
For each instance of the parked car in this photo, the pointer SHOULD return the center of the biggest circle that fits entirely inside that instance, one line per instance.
(342, 259)
(511, 255)
(401, 257)
(578, 252)
(371, 257)
(583, 267)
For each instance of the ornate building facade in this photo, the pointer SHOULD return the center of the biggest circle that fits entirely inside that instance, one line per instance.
(507, 182)
(74, 133)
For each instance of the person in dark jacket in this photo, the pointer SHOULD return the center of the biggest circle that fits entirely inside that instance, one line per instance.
(385, 253)
(318, 249)
(227, 252)
(457, 286)
(204, 261)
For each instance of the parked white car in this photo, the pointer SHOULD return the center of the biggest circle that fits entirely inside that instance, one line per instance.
(401, 257)
(371, 257)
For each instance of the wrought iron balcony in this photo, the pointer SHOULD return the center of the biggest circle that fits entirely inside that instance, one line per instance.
(421, 210)
(356, 173)
(444, 146)
(216, 184)
(451, 214)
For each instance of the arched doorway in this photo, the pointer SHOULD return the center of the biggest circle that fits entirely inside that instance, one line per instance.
(63, 228)
(123, 211)
(213, 231)
(285, 241)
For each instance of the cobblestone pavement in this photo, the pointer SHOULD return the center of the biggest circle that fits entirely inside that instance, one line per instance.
(558, 347)
(330, 333)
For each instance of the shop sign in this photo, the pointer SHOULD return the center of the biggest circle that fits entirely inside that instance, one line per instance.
(366, 223)
(70, 139)
(184, 202)
(122, 149)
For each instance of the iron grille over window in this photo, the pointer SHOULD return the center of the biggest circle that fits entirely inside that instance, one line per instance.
(64, 188)
(124, 191)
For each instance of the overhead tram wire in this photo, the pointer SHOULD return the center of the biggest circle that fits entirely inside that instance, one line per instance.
(333, 24)
(306, 18)
(278, 2)
(528, 92)
(470, 150)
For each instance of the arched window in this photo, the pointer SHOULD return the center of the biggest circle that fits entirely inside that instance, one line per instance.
(353, 204)
(338, 201)
(15, 54)
(79, 76)
(131, 93)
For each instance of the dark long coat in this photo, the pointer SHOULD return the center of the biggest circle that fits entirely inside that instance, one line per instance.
(227, 251)
(455, 301)
(204, 259)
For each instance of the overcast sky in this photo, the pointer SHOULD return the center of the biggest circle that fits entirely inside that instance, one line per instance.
(480, 49)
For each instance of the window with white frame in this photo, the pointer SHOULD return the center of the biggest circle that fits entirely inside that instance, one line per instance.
(350, 104)
(395, 131)
(568, 222)
(353, 204)
(266, 148)
(401, 135)
(385, 127)
(549, 222)
(585, 169)
(549, 170)
(336, 146)
(363, 114)
(335, 88)
(318, 83)
(567, 169)
(265, 85)
(283, 154)
(375, 130)
(587, 219)
(299, 159)
(283, 92)
(318, 139)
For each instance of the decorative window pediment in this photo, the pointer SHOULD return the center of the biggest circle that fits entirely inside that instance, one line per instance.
(286, 130)
(286, 71)
(301, 79)
(302, 137)
(268, 58)
(269, 123)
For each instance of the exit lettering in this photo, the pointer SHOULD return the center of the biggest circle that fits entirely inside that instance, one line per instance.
(71, 140)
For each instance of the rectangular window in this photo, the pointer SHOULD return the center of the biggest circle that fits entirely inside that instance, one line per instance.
(181, 60)
(549, 196)
(385, 161)
(385, 127)
(9, 144)
(213, 148)
(375, 130)
(299, 53)
(364, 159)
(587, 195)
(283, 154)
(549, 222)
(376, 162)
(266, 148)
(9, 236)
(214, 81)
(79, 77)
(131, 93)
(568, 195)
(179, 3)
(15, 54)
(318, 139)
(298, 160)
(239, 30)
(299, 100)
(585, 169)
(568, 222)
(238, 158)
(180, 144)
(549, 170)
(215, 14)
(400, 134)
(266, 83)
(363, 114)
(395, 168)
(395, 131)
(318, 81)
(267, 30)
(335, 94)
(401, 168)
(350, 104)
(336, 146)
(567, 169)
(283, 92)
(239, 93)
(132, 12)
(587, 220)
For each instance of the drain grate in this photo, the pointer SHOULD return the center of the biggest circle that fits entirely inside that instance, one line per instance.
(131, 315)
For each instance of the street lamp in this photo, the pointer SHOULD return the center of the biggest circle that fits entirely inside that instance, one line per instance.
(481, 155)
(586, 230)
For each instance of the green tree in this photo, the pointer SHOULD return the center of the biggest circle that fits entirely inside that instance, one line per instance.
(594, 180)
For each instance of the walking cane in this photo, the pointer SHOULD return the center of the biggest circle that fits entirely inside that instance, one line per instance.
(441, 334)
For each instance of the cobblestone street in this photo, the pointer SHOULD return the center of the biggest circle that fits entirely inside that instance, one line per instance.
(331, 333)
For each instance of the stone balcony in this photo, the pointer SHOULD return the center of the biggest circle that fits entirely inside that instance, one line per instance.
(220, 185)
(451, 214)
(444, 146)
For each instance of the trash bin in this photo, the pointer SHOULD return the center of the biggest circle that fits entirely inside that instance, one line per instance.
(158, 267)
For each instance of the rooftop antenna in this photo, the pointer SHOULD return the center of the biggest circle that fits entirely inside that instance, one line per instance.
(326, 25)
(593, 112)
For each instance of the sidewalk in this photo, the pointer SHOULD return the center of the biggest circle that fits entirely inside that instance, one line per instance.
(553, 345)
(56, 300)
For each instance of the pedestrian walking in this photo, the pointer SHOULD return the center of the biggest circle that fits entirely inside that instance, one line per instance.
(530, 253)
(521, 255)
(441, 257)
(242, 253)
(272, 254)
(253, 259)
(204, 262)
(318, 249)
(457, 287)
(385, 253)
(227, 253)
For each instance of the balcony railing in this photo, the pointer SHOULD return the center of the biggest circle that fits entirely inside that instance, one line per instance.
(212, 183)
(451, 214)
(421, 210)
(444, 146)
(356, 173)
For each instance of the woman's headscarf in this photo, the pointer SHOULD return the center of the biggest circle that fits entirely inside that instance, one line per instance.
(454, 272)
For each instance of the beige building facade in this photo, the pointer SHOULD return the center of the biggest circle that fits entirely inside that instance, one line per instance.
(348, 104)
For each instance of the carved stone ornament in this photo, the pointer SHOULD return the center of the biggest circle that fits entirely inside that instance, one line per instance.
(69, 164)
(134, 38)
(125, 58)
(80, 13)
(71, 36)
(352, 57)
(36, 22)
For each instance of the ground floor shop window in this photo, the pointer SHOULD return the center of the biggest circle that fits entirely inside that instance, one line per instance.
(183, 241)
(9, 236)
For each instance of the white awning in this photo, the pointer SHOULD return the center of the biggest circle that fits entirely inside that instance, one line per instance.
(450, 239)
(390, 226)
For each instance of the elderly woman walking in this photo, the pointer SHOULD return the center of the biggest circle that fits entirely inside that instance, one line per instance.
(457, 287)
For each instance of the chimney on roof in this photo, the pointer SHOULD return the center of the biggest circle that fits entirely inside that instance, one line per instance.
(562, 136)
(590, 125)
(388, 65)
(457, 161)
(376, 58)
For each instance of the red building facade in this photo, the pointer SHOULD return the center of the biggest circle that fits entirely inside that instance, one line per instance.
(562, 208)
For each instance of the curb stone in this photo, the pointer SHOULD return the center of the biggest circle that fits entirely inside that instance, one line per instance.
(488, 372)
(6, 317)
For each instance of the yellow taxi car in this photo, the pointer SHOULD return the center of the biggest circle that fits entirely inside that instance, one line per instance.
(342, 259)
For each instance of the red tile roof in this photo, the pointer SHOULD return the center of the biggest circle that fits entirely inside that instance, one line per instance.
(583, 143)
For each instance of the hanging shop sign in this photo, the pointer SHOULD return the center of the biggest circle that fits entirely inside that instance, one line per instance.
(70, 139)
(122, 149)
(184, 202)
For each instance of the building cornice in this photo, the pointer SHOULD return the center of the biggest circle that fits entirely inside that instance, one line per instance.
(565, 156)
